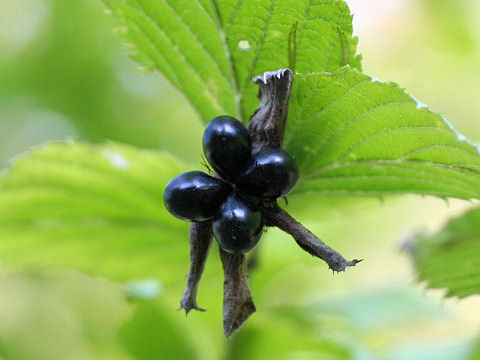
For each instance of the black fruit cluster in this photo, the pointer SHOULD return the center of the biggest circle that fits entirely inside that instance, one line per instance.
(231, 196)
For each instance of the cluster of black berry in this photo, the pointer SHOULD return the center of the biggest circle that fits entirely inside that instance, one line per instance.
(230, 196)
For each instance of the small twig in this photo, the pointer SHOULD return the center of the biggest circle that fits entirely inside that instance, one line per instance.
(237, 300)
(278, 217)
(200, 240)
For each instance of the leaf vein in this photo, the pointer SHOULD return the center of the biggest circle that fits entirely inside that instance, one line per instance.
(259, 47)
(202, 46)
(348, 124)
(187, 62)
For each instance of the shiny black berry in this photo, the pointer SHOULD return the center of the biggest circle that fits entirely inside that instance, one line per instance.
(227, 146)
(270, 173)
(195, 196)
(237, 227)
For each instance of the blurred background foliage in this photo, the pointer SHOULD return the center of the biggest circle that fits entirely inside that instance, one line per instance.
(63, 74)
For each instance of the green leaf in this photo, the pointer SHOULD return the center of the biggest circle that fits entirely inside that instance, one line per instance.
(68, 315)
(152, 333)
(98, 208)
(449, 259)
(60, 315)
(210, 49)
(274, 338)
(353, 135)
(476, 352)
(372, 309)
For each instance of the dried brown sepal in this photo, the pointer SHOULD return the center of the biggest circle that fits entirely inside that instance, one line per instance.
(237, 299)
(267, 124)
(201, 235)
(275, 216)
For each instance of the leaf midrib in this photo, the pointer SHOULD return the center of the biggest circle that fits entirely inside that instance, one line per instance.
(223, 38)
(259, 47)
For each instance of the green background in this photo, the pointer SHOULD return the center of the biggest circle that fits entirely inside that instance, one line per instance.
(64, 74)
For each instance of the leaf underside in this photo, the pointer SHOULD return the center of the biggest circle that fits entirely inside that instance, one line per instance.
(450, 259)
(354, 135)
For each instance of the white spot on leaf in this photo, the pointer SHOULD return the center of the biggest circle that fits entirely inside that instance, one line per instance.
(244, 45)
(117, 160)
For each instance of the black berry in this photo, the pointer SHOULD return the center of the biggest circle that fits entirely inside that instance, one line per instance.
(237, 228)
(227, 146)
(195, 196)
(270, 173)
